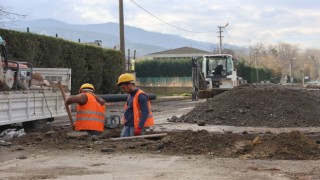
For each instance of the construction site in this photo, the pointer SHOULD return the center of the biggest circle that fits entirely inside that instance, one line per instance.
(142, 90)
(249, 132)
(226, 128)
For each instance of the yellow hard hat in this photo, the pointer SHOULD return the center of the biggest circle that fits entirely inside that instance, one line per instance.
(126, 77)
(87, 86)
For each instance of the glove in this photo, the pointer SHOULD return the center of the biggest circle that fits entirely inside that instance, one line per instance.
(137, 131)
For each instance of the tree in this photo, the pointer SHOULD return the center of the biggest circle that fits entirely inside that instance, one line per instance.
(312, 63)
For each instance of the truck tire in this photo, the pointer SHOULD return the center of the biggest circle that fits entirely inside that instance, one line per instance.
(30, 126)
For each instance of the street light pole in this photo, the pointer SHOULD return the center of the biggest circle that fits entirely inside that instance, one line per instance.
(256, 64)
(304, 64)
(220, 36)
(291, 79)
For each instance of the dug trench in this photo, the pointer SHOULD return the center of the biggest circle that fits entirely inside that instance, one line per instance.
(285, 146)
(248, 105)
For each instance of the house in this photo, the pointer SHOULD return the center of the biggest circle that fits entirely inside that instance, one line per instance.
(95, 43)
(179, 53)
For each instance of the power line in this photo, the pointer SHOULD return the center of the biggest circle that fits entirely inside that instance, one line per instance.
(169, 23)
(229, 37)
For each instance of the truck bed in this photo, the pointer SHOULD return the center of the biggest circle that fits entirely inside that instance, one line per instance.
(22, 106)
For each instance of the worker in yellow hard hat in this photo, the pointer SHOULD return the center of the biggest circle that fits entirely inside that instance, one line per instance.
(138, 114)
(90, 110)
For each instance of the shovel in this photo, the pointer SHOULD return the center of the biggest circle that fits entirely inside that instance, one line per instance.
(67, 108)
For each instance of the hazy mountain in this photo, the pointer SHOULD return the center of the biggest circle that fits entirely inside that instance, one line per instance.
(144, 42)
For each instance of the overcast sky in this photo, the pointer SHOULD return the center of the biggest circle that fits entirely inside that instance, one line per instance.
(250, 21)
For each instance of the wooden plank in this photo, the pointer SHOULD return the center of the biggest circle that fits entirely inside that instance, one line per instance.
(139, 137)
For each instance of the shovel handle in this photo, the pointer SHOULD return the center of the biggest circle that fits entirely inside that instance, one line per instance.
(67, 108)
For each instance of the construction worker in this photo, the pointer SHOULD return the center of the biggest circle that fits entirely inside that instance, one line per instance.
(219, 68)
(137, 115)
(90, 110)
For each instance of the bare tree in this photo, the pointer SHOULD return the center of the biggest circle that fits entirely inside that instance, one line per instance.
(255, 52)
(6, 15)
(312, 63)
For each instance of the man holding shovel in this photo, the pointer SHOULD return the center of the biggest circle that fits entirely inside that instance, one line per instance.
(90, 110)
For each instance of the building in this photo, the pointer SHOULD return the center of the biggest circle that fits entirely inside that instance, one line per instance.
(95, 43)
(179, 53)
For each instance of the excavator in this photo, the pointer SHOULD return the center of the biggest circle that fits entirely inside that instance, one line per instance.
(216, 75)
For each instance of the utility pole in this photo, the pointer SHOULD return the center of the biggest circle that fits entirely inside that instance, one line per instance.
(121, 28)
(129, 60)
(220, 36)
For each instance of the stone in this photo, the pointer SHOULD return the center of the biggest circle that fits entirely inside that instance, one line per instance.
(201, 123)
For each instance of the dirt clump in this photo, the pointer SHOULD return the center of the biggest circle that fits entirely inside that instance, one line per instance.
(260, 106)
(294, 145)
(286, 146)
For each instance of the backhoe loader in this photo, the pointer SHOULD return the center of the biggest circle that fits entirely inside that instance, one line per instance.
(217, 74)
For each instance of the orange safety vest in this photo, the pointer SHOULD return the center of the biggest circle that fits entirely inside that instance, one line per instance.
(91, 115)
(137, 111)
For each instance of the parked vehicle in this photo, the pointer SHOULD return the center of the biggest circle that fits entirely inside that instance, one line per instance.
(30, 95)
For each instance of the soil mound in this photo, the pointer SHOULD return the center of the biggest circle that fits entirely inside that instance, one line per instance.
(285, 146)
(293, 145)
(260, 105)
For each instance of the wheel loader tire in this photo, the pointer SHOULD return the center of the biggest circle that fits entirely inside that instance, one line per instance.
(31, 126)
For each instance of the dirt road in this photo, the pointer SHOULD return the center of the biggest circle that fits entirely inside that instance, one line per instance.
(85, 165)
(47, 156)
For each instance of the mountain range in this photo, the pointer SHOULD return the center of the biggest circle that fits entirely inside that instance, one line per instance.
(144, 42)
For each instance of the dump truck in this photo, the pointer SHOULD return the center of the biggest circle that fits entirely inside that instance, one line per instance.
(216, 74)
(29, 95)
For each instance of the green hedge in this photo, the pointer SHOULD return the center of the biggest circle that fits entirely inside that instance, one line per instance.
(183, 68)
(250, 73)
(164, 68)
(89, 63)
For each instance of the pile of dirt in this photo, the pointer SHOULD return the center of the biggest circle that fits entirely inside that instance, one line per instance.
(259, 106)
(292, 145)
(285, 146)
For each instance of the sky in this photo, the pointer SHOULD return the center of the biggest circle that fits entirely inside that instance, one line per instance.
(249, 21)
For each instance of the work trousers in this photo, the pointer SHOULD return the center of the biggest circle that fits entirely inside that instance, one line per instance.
(129, 131)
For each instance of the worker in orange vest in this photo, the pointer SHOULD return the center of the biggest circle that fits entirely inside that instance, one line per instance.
(138, 114)
(90, 110)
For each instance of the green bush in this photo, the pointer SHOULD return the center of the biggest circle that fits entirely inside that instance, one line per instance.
(250, 73)
(164, 68)
(183, 68)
